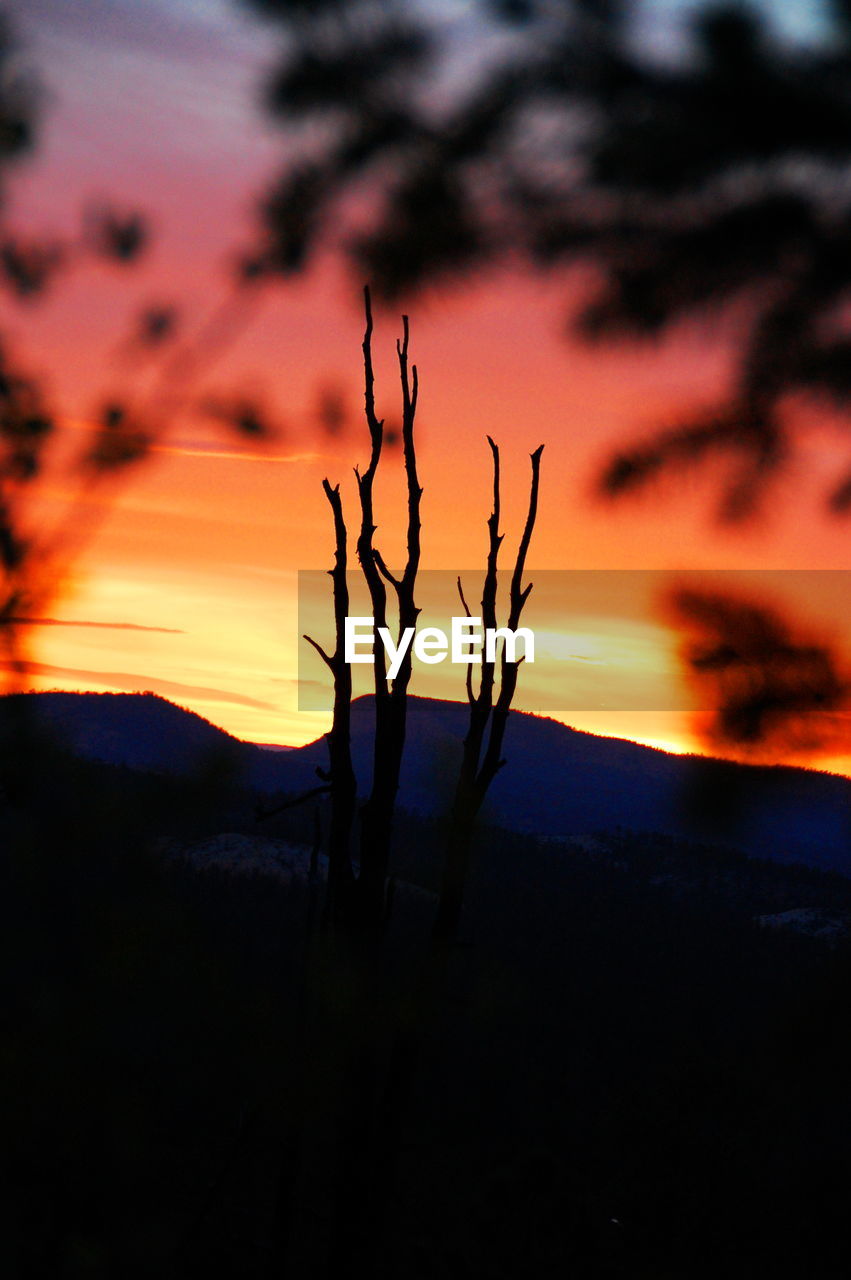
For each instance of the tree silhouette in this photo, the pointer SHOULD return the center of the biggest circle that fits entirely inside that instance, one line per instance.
(365, 898)
(489, 709)
(375, 1041)
(390, 698)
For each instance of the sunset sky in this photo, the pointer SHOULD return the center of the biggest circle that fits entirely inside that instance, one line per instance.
(187, 581)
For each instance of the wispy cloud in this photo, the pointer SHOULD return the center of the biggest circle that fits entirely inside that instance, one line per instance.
(232, 455)
(136, 684)
(108, 626)
(187, 447)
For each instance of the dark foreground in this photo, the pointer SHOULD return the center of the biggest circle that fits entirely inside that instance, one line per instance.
(620, 1071)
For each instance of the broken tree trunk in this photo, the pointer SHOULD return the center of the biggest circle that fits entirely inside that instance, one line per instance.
(482, 755)
(390, 702)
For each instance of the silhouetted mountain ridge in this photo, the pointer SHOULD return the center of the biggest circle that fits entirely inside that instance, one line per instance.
(146, 732)
(561, 782)
(558, 782)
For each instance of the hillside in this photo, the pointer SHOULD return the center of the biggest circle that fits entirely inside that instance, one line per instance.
(640, 1052)
(558, 782)
(562, 783)
(145, 732)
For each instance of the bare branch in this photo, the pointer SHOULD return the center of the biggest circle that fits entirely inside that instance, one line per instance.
(365, 480)
(509, 670)
(408, 611)
(329, 661)
(385, 572)
(390, 703)
(477, 772)
(340, 775)
(469, 681)
(410, 393)
(375, 425)
(518, 596)
(489, 591)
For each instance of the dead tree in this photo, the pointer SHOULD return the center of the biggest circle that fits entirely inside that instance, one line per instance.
(369, 1083)
(489, 707)
(390, 702)
(482, 758)
(481, 761)
(340, 777)
(367, 895)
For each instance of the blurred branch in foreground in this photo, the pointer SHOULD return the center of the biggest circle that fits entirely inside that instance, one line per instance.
(766, 687)
(699, 167)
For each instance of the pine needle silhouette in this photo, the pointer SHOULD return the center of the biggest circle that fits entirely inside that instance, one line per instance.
(708, 185)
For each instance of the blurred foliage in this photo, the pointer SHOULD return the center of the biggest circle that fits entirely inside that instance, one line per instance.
(767, 686)
(246, 417)
(119, 440)
(18, 104)
(156, 325)
(124, 423)
(28, 267)
(427, 142)
(115, 235)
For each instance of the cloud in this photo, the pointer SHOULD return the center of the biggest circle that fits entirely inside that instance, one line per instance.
(136, 684)
(110, 626)
(232, 455)
(208, 447)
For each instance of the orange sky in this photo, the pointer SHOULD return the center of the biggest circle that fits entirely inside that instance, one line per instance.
(205, 545)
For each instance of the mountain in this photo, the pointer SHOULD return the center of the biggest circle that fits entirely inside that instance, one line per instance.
(561, 783)
(558, 782)
(145, 732)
